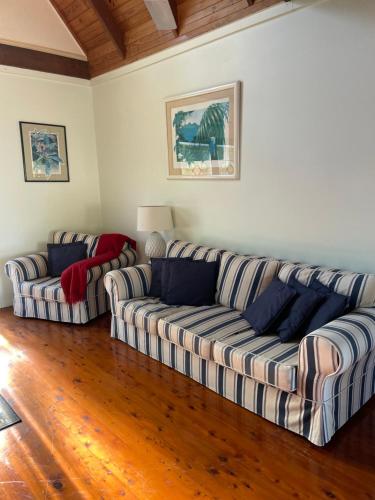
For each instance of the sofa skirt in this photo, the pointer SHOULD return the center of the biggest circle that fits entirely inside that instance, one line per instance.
(79, 313)
(317, 421)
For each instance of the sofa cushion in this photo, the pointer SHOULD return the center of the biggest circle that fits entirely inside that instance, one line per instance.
(263, 358)
(145, 313)
(242, 278)
(160, 275)
(333, 306)
(360, 288)
(177, 248)
(268, 307)
(298, 312)
(195, 330)
(190, 282)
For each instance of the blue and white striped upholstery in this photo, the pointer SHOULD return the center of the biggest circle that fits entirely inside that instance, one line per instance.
(327, 353)
(129, 283)
(26, 268)
(359, 287)
(37, 295)
(317, 421)
(43, 289)
(198, 328)
(264, 358)
(81, 312)
(177, 248)
(243, 278)
(70, 237)
(145, 313)
(312, 388)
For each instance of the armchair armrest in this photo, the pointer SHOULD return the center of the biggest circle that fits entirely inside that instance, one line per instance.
(330, 351)
(127, 283)
(126, 258)
(27, 268)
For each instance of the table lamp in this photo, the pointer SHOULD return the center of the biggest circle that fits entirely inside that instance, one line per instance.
(155, 219)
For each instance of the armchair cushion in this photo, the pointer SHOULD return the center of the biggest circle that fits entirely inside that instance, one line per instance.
(46, 288)
(61, 256)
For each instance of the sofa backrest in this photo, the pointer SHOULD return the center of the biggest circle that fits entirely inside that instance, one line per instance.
(242, 278)
(360, 288)
(178, 248)
(71, 237)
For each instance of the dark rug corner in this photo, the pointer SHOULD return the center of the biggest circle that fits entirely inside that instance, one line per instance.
(8, 416)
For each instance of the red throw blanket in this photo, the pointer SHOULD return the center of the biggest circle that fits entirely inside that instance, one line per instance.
(74, 278)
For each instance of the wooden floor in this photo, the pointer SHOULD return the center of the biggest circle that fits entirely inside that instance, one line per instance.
(100, 420)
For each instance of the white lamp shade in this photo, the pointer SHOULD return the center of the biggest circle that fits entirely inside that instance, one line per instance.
(156, 218)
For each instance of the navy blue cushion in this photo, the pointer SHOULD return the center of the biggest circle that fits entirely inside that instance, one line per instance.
(63, 255)
(160, 272)
(333, 306)
(191, 283)
(300, 310)
(267, 308)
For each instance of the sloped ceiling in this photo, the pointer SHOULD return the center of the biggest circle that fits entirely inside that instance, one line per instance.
(109, 33)
(34, 24)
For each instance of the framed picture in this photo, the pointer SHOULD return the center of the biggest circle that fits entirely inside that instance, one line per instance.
(44, 151)
(203, 134)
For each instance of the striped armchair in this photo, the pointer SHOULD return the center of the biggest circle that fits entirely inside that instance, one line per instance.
(37, 295)
(311, 387)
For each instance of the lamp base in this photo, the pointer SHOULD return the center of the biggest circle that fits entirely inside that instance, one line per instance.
(155, 246)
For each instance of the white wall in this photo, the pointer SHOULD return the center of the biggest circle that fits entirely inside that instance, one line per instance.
(308, 149)
(30, 211)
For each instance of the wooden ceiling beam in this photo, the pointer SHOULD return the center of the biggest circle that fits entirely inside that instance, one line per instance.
(163, 13)
(61, 14)
(20, 57)
(109, 24)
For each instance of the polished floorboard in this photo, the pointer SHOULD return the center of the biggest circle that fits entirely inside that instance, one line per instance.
(100, 420)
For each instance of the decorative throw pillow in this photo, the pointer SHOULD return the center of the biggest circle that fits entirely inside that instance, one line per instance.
(159, 271)
(191, 283)
(267, 308)
(63, 255)
(300, 310)
(333, 306)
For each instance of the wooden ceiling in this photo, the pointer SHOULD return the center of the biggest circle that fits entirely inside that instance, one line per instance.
(112, 33)
(116, 32)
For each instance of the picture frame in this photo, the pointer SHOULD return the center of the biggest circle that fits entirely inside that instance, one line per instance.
(203, 134)
(44, 152)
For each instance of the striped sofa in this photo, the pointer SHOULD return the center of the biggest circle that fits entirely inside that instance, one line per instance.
(310, 387)
(37, 295)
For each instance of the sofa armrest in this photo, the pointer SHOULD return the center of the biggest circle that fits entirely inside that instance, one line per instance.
(333, 349)
(128, 283)
(126, 258)
(27, 268)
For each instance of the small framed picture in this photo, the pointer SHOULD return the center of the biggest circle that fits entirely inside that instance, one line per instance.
(203, 134)
(44, 152)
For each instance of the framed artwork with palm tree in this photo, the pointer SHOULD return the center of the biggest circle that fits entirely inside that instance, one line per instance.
(203, 134)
